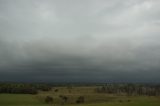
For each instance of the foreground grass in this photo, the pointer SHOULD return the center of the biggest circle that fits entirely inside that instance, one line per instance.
(91, 98)
(18, 99)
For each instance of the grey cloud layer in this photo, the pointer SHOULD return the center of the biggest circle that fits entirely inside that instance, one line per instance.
(79, 40)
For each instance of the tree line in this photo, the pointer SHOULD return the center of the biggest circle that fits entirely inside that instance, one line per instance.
(130, 89)
(22, 88)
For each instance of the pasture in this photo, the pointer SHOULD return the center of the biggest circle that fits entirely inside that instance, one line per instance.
(91, 98)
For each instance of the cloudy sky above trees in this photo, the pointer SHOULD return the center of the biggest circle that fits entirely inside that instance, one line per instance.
(80, 40)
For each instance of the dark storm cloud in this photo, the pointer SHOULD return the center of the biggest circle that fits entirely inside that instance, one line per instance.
(80, 40)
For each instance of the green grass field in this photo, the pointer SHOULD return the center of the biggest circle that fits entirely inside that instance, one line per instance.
(91, 98)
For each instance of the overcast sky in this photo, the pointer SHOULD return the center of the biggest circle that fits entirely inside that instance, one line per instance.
(80, 40)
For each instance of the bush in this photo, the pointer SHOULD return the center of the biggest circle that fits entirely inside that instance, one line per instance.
(128, 100)
(80, 99)
(64, 98)
(48, 99)
(56, 90)
(120, 101)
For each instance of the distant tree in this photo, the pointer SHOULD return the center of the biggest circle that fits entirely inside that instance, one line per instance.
(22, 88)
(130, 89)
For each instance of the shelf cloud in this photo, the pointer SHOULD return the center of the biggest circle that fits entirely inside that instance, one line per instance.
(80, 40)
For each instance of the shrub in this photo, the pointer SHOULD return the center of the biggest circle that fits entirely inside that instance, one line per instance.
(56, 90)
(120, 101)
(64, 98)
(128, 100)
(48, 99)
(80, 99)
